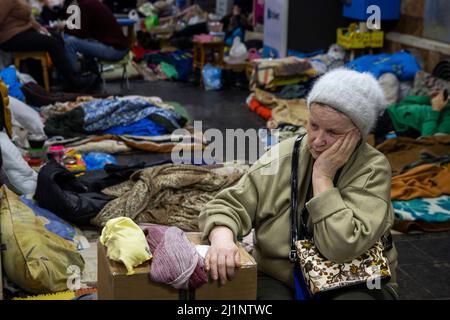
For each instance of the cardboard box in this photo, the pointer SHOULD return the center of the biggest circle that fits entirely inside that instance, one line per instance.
(114, 284)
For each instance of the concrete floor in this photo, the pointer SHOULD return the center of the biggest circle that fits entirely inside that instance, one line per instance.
(424, 259)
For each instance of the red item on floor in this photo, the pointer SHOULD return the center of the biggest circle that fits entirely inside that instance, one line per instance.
(261, 110)
(139, 52)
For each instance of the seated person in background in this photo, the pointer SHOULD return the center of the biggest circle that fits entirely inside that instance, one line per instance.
(235, 25)
(416, 116)
(20, 32)
(100, 36)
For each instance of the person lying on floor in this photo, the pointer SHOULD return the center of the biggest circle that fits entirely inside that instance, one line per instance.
(19, 32)
(99, 38)
(348, 214)
(416, 116)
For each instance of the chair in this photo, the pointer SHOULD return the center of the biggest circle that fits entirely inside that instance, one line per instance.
(131, 35)
(123, 63)
(42, 56)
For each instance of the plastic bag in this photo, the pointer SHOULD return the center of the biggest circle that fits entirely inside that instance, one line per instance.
(238, 51)
(212, 77)
(98, 160)
(151, 21)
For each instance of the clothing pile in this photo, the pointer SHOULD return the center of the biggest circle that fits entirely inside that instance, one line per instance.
(420, 183)
(126, 143)
(323, 62)
(272, 73)
(280, 87)
(117, 125)
(285, 117)
(100, 115)
(171, 195)
(277, 108)
(176, 65)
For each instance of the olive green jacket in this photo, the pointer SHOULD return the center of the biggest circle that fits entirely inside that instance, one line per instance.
(346, 220)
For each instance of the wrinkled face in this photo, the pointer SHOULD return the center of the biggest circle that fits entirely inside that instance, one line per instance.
(325, 126)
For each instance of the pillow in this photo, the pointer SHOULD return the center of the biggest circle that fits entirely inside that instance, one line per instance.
(425, 84)
(35, 259)
(26, 117)
(18, 174)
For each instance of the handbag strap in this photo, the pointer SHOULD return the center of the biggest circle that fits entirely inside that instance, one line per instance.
(294, 200)
(294, 197)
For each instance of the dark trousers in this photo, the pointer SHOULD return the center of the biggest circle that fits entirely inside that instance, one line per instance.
(31, 40)
(269, 288)
(384, 126)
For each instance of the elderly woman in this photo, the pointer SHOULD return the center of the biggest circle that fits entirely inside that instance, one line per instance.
(346, 218)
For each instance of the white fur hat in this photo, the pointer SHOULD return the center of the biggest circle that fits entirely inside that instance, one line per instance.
(355, 94)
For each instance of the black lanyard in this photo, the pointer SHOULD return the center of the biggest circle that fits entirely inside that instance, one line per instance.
(304, 231)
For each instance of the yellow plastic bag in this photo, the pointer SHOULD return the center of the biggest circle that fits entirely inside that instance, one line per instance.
(37, 260)
(126, 243)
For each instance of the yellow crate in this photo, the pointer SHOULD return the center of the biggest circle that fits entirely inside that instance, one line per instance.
(359, 40)
(376, 39)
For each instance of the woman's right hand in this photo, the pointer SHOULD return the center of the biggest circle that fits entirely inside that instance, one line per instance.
(223, 255)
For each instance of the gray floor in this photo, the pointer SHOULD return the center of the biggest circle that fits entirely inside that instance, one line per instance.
(216, 109)
(424, 266)
(424, 259)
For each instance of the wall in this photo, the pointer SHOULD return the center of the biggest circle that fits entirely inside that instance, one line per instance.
(414, 22)
(312, 24)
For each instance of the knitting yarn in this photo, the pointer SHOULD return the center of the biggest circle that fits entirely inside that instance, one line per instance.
(175, 260)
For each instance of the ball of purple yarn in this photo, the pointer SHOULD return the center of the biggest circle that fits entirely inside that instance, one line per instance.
(175, 259)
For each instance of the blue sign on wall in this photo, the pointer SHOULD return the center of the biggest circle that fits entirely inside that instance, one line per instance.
(357, 9)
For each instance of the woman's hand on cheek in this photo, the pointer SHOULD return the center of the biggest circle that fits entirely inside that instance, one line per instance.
(327, 164)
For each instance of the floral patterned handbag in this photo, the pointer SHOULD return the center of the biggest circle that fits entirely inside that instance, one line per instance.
(320, 274)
